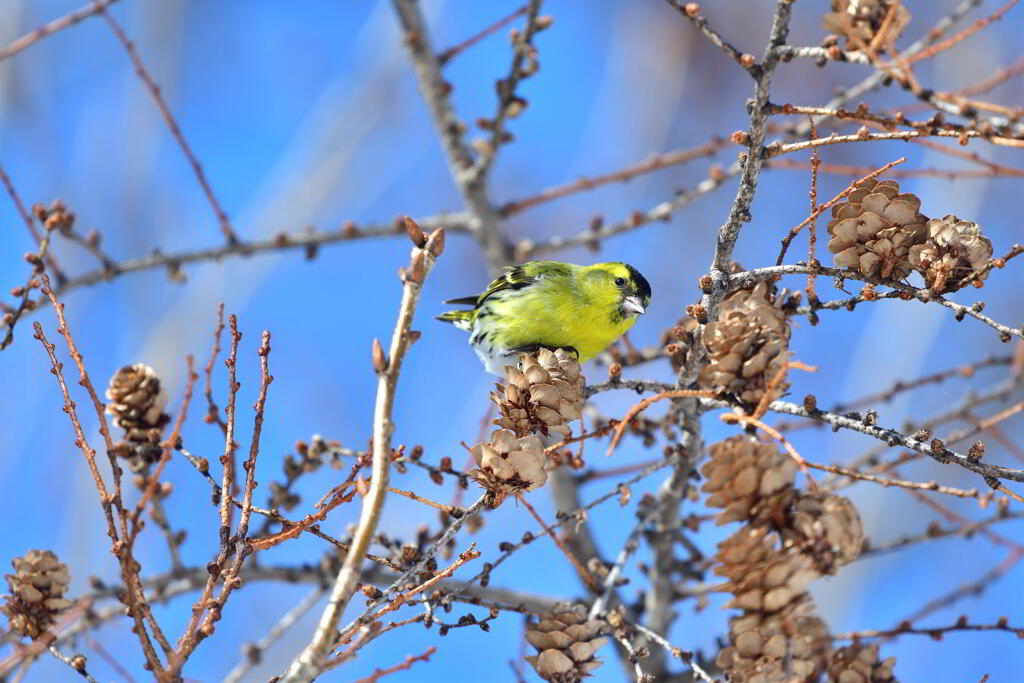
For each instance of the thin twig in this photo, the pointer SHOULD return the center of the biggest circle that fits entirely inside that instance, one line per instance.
(69, 19)
(165, 111)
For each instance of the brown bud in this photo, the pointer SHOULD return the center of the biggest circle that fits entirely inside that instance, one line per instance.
(515, 107)
(436, 242)
(747, 60)
(698, 313)
(614, 370)
(704, 282)
(414, 232)
(692, 9)
(716, 173)
(740, 137)
(810, 403)
(78, 663)
(380, 361)
(544, 22)
(977, 452)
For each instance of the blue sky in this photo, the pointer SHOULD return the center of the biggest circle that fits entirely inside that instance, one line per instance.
(308, 114)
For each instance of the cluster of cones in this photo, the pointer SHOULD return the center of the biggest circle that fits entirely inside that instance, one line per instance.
(536, 403)
(789, 539)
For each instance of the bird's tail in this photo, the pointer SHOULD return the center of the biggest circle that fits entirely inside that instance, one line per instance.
(461, 319)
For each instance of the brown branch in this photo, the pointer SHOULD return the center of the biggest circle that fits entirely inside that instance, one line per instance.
(154, 90)
(294, 530)
(307, 241)
(444, 56)
(213, 412)
(643, 405)
(404, 666)
(56, 368)
(467, 556)
(249, 465)
(584, 183)
(944, 45)
(691, 11)
(69, 19)
(522, 46)
(935, 632)
(858, 171)
(827, 205)
(587, 577)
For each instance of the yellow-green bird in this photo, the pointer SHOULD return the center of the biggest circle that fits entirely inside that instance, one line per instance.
(547, 304)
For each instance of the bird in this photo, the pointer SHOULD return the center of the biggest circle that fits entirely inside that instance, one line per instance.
(552, 305)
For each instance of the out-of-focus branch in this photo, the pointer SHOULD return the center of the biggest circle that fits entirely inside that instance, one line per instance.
(253, 652)
(308, 665)
(486, 221)
(584, 183)
(691, 11)
(444, 56)
(308, 241)
(506, 87)
(69, 19)
(179, 137)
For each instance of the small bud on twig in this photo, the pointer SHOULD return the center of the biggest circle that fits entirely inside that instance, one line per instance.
(414, 232)
(436, 242)
(380, 361)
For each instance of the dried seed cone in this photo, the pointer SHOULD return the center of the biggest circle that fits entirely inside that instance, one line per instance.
(748, 345)
(761, 578)
(543, 395)
(37, 592)
(954, 249)
(750, 479)
(137, 401)
(763, 645)
(827, 528)
(861, 20)
(860, 664)
(566, 642)
(508, 464)
(874, 229)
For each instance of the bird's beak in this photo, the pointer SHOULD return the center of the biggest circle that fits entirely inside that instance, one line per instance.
(631, 304)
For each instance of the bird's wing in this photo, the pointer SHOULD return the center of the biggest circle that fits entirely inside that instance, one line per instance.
(516, 277)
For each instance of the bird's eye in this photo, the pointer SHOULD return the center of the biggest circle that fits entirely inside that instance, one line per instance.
(619, 282)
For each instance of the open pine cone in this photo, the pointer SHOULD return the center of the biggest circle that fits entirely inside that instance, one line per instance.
(776, 648)
(827, 528)
(954, 249)
(508, 464)
(748, 345)
(859, 21)
(566, 642)
(874, 229)
(37, 590)
(137, 402)
(860, 663)
(751, 479)
(543, 395)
